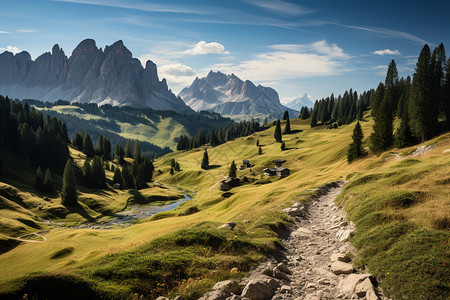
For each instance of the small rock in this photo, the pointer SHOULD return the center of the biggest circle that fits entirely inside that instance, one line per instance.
(280, 275)
(344, 235)
(229, 285)
(339, 267)
(323, 281)
(285, 289)
(162, 298)
(229, 226)
(235, 297)
(311, 286)
(349, 283)
(283, 268)
(257, 290)
(363, 288)
(340, 257)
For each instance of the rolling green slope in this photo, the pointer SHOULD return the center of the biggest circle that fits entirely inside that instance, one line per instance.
(397, 201)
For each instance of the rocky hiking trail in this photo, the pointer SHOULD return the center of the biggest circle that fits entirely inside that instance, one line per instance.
(315, 263)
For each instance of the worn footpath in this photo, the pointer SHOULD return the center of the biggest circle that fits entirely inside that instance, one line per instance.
(316, 262)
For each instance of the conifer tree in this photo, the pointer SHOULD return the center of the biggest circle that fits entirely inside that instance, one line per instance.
(117, 178)
(404, 137)
(137, 152)
(355, 149)
(232, 171)
(77, 141)
(128, 152)
(260, 151)
(313, 122)
(446, 95)
(48, 182)
(88, 148)
(205, 160)
(285, 115)
(420, 103)
(382, 137)
(39, 180)
(87, 173)
(283, 146)
(277, 134)
(127, 177)
(172, 163)
(171, 171)
(257, 142)
(287, 128)
(213, 139)
(177, 167)
(69, 191)
(98, 173)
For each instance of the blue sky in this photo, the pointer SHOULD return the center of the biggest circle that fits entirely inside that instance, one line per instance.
(315, 47)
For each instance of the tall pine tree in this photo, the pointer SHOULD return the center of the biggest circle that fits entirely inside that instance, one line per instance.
(69, 190)
(205, 160)
(287, 128)
(421, 100)
(232, 171)
(355, 149)
(277, 133)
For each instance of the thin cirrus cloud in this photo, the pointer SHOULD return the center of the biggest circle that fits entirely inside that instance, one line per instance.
(12, 49)
(203, 48)
(282, 7)
(291, 61)
(387, 32)
(387, 52)
(148, 7)
(3, 32)
(26, 30)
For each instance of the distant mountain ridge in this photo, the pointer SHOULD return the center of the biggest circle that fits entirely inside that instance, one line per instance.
(90, 74)
(299, 102)
(230, 96)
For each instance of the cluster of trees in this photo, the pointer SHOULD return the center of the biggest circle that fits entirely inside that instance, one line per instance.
(219, 135)
(43, 182)
(83, 142)
(305, 113)
(341, 110)
(110, 128)
(419, 104)
(174, 166)
(40, 142)
(136, 174)
(287, 129)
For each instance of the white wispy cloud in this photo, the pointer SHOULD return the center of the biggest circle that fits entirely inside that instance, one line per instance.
(149, 7)
(202, 48)
(387, 32)
(282, 7)
(12, 49)
(3, 32)
(26, 30)
(309, 60)
(386, 52)
(177, 75)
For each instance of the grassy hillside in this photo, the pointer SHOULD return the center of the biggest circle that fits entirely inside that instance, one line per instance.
(145, 125)
(397, 202)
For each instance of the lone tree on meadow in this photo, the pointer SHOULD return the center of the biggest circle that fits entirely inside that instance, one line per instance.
(232, 171)
(287, 128)
(355, 149)
(205, 160)
(285, 115)
(283, 146)
(69, 191)
(260, 151)
(277, 134)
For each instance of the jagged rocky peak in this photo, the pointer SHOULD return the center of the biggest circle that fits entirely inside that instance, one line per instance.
(90, 74)
(229, 95)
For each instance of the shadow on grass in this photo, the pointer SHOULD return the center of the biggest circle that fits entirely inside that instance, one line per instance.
(78, 209)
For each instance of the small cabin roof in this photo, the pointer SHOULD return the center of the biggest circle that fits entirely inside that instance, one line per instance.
(282, 169)
(279, 161)
(269, 170)
(246, 161)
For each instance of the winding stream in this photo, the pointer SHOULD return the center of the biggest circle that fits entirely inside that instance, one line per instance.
(127, 218)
